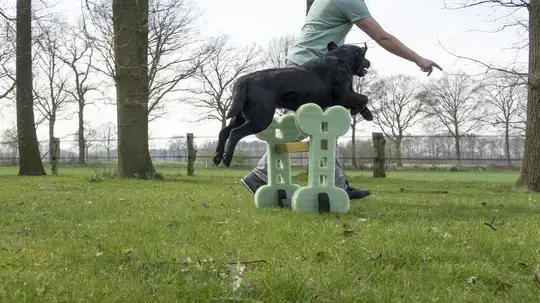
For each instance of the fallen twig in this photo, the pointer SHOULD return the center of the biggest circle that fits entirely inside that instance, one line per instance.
(490, 224)
(247, 262)
(424, 191)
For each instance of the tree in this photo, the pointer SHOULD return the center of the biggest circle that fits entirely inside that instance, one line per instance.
(178, 146)
(10, 139)
(275, 56)
(7, 51)
(106, 135)
(214, 79)
(91, 139)
(368, 86)
(530, 172)
(397, 107)
(51, 96)
(29, 155)
(452, 103)
(506, 99)
(78, 55)
(172, 46)
(523, 15)
(132, 91)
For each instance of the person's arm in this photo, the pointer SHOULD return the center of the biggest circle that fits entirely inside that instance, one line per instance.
(374, 30)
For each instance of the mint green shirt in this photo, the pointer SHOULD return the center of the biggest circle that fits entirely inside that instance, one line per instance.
(327, 20)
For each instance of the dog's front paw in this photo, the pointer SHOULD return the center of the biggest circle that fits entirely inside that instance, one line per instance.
(366, 114)
(355, 111)
(227, 159)
(217, 158)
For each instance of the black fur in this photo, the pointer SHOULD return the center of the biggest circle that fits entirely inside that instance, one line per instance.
(326, 82)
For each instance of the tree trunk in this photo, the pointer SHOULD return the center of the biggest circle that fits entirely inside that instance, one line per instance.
(379, 155)
(130, 23)
(353, 143)
(192, 155)
(530, 171)
(52, 121)
(458, 151)
(82, 141)
(399, 161)
(457, 139)
(308, 5)
(507, 143)
(29, 157)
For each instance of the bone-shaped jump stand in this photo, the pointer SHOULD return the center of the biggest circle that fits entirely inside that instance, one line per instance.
(323, 128)
(280, 189)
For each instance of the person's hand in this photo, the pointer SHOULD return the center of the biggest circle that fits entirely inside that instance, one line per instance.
(427, 65)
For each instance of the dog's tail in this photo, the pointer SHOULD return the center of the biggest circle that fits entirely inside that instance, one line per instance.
(239, 96)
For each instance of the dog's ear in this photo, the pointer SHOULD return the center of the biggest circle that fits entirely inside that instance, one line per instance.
(331, 46)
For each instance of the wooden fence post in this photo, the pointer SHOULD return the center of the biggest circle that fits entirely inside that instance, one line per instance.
(379, 146)
(55, 155)
(192, 155)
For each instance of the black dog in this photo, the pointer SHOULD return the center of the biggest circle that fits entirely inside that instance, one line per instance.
(325, 81)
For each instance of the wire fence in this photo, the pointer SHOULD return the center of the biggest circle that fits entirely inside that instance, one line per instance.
(416, 152)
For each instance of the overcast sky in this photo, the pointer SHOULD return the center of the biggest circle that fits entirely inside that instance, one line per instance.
(421, 24)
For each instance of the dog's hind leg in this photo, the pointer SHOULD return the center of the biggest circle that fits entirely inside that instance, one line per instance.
(224, 134)
(237, 134)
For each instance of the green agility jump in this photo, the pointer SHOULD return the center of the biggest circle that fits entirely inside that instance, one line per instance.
(323, 129)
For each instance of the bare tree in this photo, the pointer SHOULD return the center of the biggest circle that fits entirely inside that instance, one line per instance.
(91, 139)
(522, 116)
(506, 99)
(174, 54)
(178, 146)
(29, 155)
(397, 108)
(132, 88)
(214, 79)
(51, 94)
(522, 16)
(275, 56)
(368, 86)
(10, 139)
(173, 57)
(452, 103)
(77, 55)
(106, 135)
(99, 32)
(508, 15)
(7, 54)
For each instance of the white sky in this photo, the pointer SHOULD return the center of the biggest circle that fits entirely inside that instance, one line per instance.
(420, 24)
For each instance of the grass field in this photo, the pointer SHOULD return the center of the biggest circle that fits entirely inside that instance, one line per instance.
(66, 239)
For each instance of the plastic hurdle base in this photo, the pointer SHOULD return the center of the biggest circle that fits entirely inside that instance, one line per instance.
(323, 128)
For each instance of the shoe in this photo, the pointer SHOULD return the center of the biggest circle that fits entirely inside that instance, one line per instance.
(252, 183)
(355, 194)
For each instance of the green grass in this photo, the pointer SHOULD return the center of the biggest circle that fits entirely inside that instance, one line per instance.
(68, 239)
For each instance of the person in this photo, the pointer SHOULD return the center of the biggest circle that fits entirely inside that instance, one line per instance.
(332, 20)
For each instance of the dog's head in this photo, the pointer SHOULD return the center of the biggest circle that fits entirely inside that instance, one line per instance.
(352, 55)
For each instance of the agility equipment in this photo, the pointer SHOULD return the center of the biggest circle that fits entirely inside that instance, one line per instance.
(323, 128)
